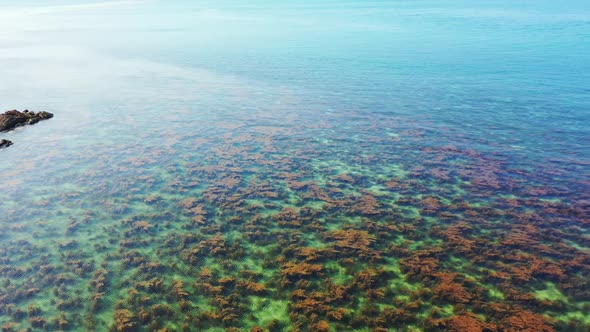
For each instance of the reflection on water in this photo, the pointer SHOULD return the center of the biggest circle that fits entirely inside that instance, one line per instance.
(216, 170)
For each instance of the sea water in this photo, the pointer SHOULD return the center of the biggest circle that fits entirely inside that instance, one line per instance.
(296, 166)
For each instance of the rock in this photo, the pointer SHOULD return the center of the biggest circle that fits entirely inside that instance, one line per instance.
(12, 119)
(5, 143)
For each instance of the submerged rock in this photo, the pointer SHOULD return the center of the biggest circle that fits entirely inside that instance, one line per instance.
(12, 119)
(4, 143)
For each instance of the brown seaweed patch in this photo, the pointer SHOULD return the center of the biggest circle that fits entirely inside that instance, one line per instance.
(251, 287)
(526, 321)
(466, 322)
(352, 242)
(448, 289)
(430, 204)
(366, 205)
(124, 320)
(291, 271)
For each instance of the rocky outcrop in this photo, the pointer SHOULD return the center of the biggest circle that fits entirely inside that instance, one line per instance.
(4, 143)
(12, 119)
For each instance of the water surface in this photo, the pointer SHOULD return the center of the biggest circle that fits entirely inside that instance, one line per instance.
(381, 165)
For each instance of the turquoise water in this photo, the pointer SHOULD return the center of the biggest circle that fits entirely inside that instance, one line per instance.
(381, 165)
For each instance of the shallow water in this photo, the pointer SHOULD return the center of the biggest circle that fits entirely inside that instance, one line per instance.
(412, 166)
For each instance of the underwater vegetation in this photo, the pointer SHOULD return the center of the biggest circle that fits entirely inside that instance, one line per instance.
(298, 227)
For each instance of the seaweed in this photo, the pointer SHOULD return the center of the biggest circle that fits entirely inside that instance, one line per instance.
(252, 229)
(124, 320)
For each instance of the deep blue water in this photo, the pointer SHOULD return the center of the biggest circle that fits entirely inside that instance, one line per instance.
(518, 72)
